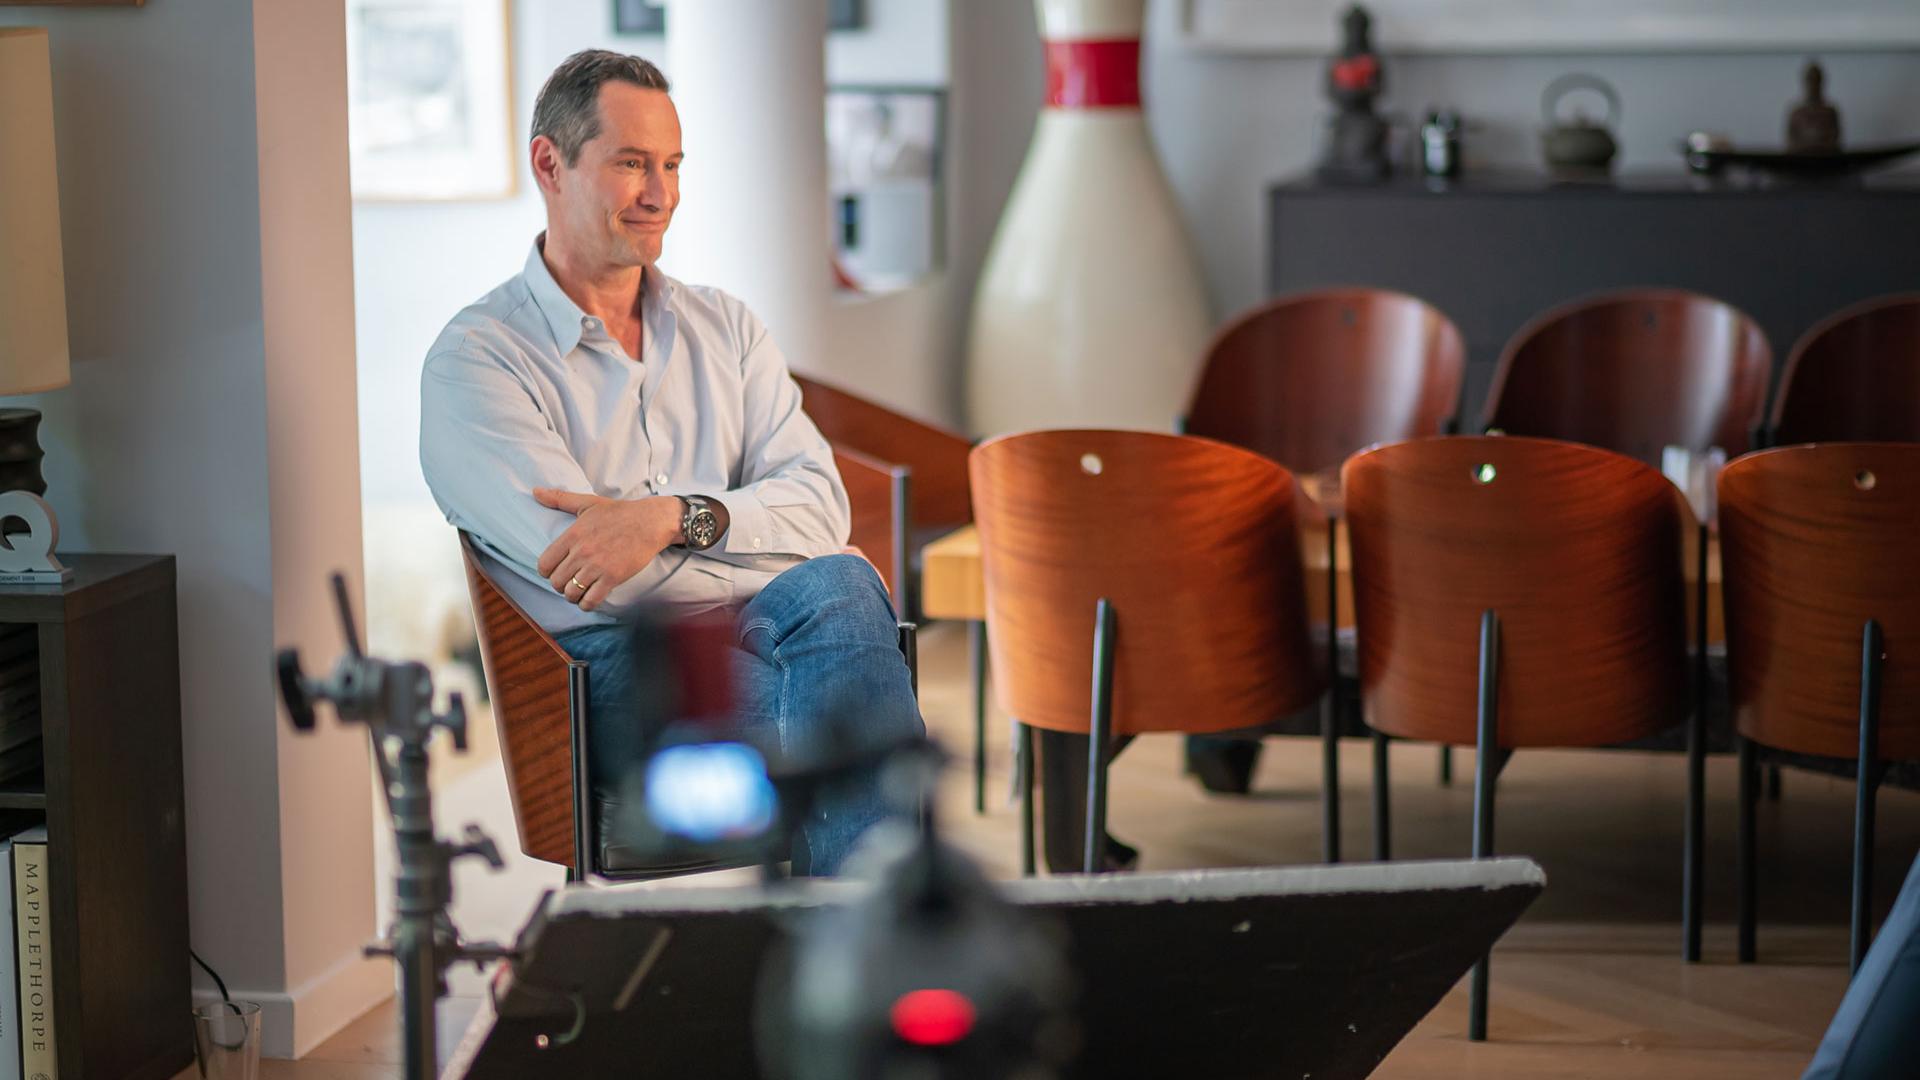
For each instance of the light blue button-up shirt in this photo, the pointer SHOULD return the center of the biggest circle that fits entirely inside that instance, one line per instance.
(523, 389)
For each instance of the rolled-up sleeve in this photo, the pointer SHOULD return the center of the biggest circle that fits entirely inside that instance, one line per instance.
(788, 499)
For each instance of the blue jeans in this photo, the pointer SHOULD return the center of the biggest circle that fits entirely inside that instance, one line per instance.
(819, 646)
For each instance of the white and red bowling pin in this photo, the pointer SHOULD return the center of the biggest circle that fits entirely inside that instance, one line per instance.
(1091, 310)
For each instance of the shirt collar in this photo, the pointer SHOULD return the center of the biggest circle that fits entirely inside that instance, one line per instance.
(565, 318)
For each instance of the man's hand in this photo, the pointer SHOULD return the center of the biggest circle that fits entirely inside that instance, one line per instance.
(609, 542)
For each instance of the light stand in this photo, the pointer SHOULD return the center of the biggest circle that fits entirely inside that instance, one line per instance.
(395, 701)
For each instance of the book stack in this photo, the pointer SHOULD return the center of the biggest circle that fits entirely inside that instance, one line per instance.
(26, 962)
(19, 700)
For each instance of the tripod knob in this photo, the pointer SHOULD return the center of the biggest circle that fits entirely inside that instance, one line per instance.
(293, 690)
(480, 844)
(455, 720)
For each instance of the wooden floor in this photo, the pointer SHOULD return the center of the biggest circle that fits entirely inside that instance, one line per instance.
(1589, 984)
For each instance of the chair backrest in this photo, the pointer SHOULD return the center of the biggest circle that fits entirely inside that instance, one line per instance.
(1814, 541)
(1576, 549)
(528, 684)
(1192, 540)
(936, 456)
(1636, 371)
(1308, 380)
(1855, 377)
(876, 492)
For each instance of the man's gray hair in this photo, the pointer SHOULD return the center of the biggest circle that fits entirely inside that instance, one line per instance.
(568, 108)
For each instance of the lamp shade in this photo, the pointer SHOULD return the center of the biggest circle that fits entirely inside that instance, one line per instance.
(33, 296)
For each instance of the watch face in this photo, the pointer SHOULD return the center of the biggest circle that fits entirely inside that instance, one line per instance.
(702, 528)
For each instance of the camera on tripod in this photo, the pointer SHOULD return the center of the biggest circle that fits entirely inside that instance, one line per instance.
(927, 973)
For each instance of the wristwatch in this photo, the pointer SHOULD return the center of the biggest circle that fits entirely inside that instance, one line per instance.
(699, 523)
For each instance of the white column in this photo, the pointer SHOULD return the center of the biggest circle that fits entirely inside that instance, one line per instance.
(749, 79)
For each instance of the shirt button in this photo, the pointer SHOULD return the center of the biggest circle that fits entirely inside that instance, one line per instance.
(756, 543)
(661, 479)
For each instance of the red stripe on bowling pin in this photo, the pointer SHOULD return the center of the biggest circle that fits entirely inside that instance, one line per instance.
(1093, 74)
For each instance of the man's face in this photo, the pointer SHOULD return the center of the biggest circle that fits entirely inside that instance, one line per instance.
(615, 202)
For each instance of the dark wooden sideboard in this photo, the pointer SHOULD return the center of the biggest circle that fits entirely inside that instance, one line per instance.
(111, 790)
(1494, 250)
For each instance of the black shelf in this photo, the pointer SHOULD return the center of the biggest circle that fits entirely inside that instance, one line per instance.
(24, 792)
(110, 787)
(1496, 249)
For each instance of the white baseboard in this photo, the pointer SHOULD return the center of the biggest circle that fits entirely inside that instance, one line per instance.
(293, 1022)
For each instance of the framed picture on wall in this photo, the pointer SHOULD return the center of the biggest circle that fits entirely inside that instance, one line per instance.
(846, 14)
(650, 16)
(429, 105)
(639, 16)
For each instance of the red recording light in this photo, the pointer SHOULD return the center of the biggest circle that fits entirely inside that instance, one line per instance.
(932, 1017)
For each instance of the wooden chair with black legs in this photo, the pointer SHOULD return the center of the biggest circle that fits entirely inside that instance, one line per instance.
(1854, 377)
(1823, 612)
(1513, 593)
(1636, 371)
(932, 458)
(926, 469)
(1308, 380)
(1135, 582)
(538, 694)
(878, 494)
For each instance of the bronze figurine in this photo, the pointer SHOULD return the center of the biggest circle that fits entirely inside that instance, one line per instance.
(1813, 125)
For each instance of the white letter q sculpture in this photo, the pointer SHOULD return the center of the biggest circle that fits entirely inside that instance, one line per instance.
(27, 558)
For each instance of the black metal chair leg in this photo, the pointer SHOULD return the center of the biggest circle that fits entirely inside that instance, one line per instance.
(1869, 771)
(1446, 766)
(1024, 766)
(977, 646)
(584, 847)
(1100, 737)
(1693, 868)
(1488, 760)
(1748, 868)
(908, 634)
(1861, 935)
(1330, 718)
(1382, 800)
(1693, 856)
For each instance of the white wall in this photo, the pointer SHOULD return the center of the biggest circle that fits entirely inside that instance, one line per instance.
(180, 435)
(903, 42)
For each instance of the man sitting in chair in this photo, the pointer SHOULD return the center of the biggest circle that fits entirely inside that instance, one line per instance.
(615, 439)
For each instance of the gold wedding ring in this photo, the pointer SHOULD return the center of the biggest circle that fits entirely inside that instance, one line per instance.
(576, 583)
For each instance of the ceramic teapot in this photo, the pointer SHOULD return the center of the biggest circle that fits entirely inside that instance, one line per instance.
(1579, 144)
